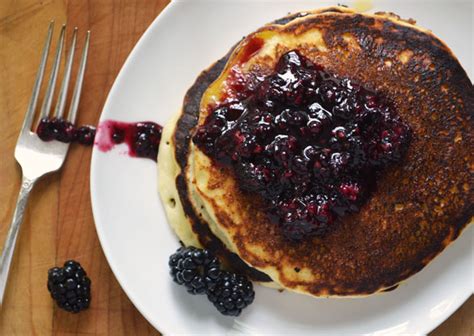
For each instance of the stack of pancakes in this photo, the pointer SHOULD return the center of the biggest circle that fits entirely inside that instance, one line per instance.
(419, 207)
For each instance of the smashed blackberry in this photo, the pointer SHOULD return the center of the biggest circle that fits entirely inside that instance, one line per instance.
(142, 138)
(147, 140)
(45, 130)
(70, 287)
(231, 294)
(194, 268)
(86, 135)
(56, 129)
(64, 131)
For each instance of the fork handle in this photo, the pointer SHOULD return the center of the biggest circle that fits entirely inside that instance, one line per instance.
(10, 241)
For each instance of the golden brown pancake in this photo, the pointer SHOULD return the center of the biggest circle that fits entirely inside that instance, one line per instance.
(419, 207)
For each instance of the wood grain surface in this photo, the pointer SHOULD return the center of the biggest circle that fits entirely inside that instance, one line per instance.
(59, 223)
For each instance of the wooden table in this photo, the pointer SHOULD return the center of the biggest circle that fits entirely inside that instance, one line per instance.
(59, 224)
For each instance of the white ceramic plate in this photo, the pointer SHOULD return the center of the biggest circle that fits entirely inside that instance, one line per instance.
(186, 38)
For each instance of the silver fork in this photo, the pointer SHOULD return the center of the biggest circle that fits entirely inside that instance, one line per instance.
(36, 157)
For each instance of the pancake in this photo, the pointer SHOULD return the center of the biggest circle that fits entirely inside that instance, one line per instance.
(419, 207)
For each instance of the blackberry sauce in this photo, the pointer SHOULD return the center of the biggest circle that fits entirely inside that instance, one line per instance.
(62, 130)
(308, 143)
(142, 138)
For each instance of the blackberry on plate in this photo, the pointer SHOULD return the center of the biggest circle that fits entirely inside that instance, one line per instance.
(147, 139)
(231, 294)
(194, 268)
(70, 287)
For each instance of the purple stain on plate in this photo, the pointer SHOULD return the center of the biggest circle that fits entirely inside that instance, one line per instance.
(142, 138)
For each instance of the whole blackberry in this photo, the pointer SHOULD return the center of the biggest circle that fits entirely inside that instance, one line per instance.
(70, 287)
(194, 268)
(231, 294)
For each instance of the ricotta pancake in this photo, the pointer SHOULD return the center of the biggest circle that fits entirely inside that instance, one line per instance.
(420, 202)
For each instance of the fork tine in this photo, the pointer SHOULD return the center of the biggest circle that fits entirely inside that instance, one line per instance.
(39, 78)
(45, 108)
(59, 111)
(80, 76)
